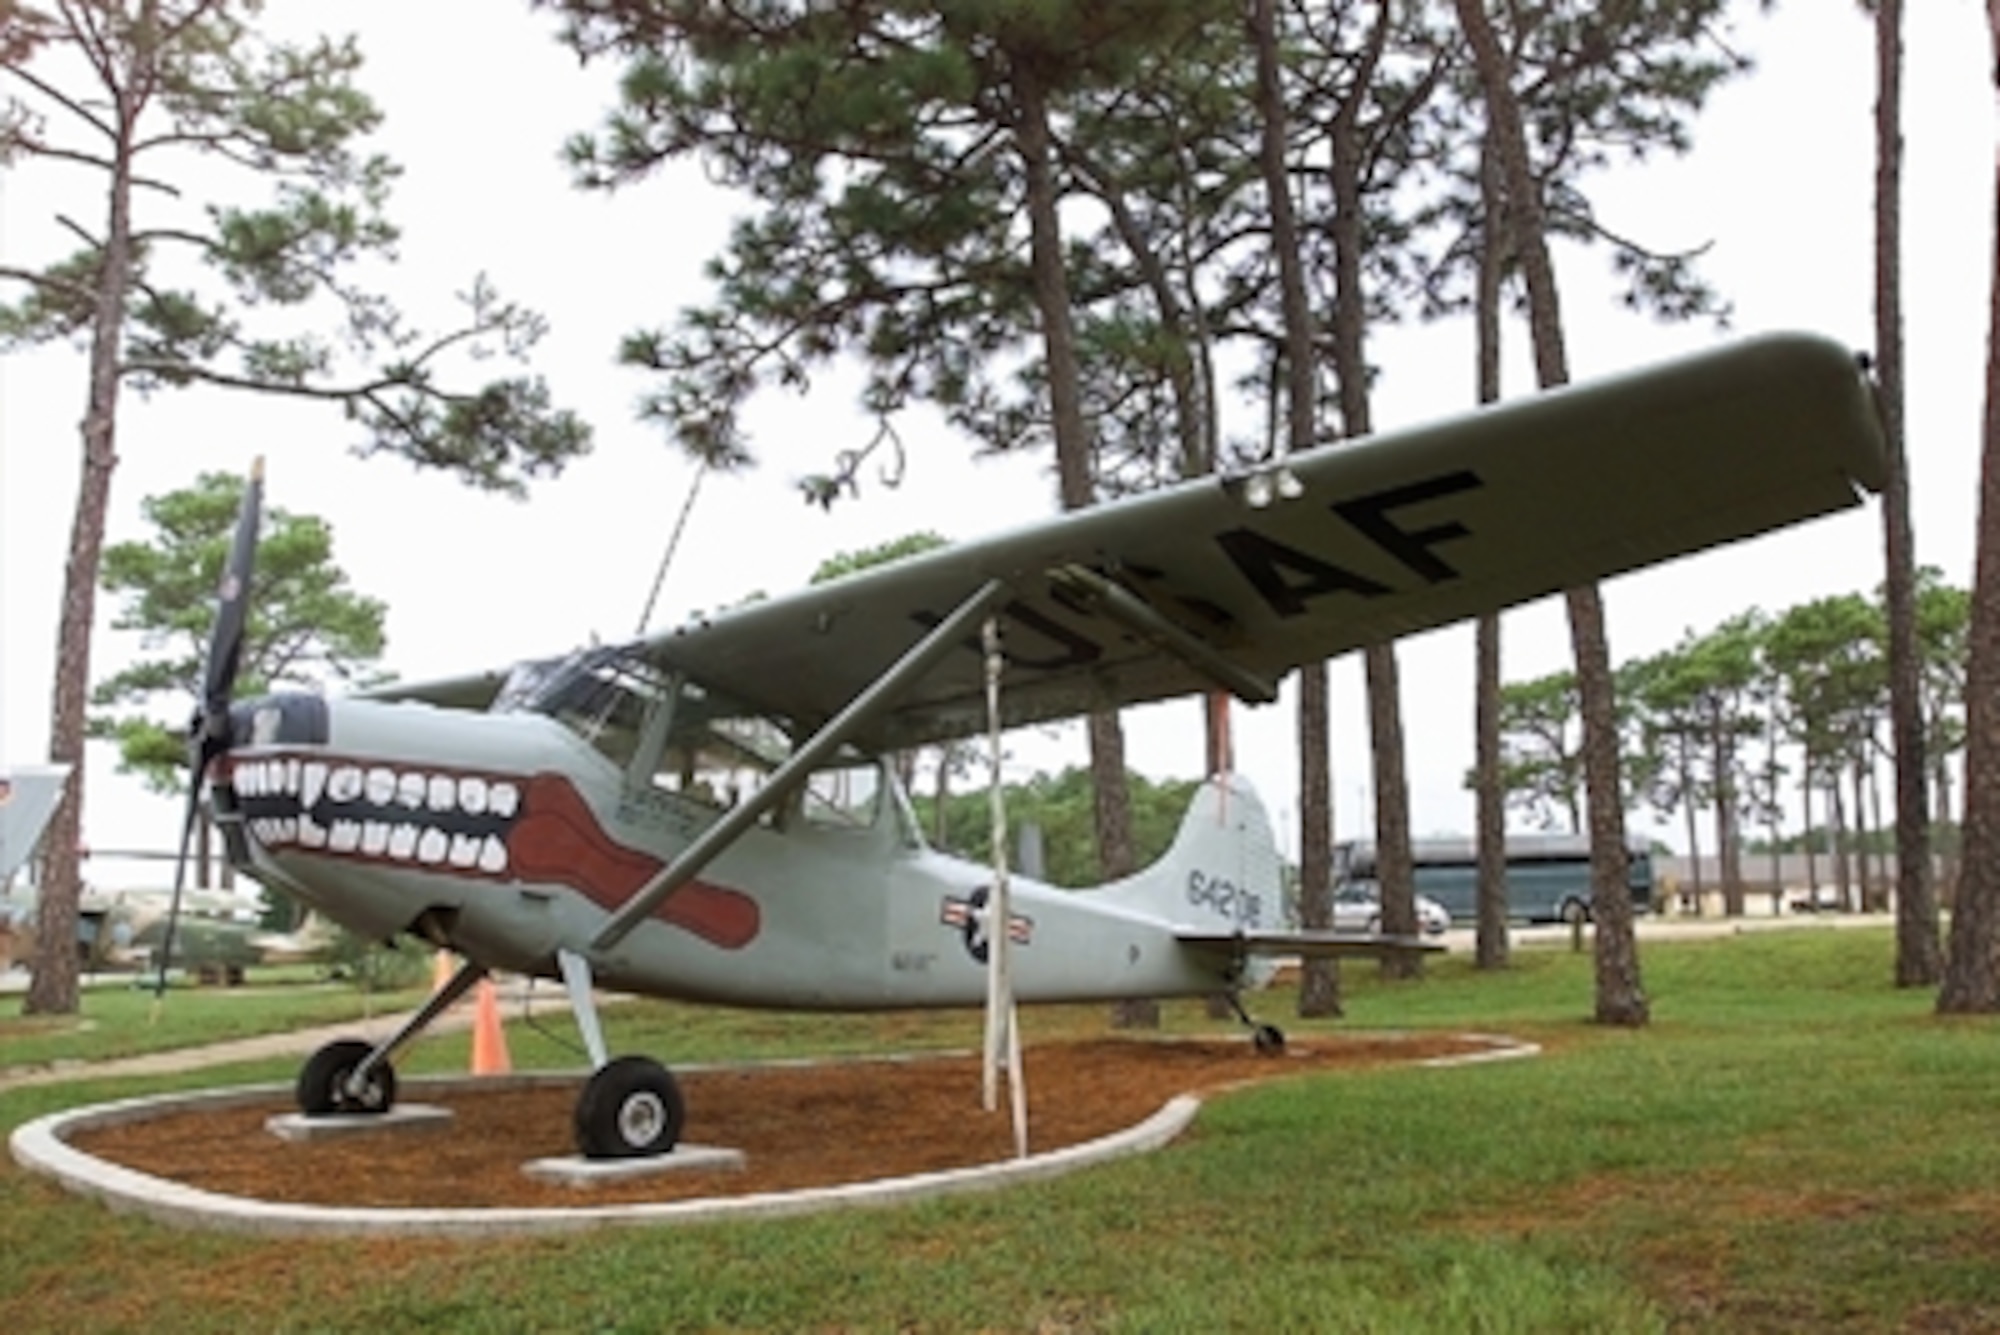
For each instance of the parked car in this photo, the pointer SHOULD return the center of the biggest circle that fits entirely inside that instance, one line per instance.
(1357, 907)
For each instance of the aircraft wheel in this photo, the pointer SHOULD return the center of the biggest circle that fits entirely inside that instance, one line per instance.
(322, 1087)
(630, 1109)
(1268, 1039)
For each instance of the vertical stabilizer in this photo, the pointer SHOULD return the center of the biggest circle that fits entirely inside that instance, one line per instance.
(28, 797)
(1223, 872)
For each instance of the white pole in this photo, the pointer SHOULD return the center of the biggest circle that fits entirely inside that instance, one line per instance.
(1003, 1035)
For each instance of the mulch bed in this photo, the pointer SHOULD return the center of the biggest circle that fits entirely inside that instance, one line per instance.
(799, 1126)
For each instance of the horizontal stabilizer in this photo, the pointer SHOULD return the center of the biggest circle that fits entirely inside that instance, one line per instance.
(1308, 945)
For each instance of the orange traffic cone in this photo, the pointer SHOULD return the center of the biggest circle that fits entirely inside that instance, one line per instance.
(489, 1041)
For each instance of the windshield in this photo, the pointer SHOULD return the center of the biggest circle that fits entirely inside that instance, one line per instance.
(678, 736)
(603, 695)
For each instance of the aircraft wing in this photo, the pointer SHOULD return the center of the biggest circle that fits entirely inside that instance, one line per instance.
(473, 690)
(1213, 584)
(1308, 945)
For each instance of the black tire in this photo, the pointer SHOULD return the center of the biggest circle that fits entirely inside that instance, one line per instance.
(1375, 926)
(322, 1088)
(1268, 1039)
(1575, 913)
(629, 1109)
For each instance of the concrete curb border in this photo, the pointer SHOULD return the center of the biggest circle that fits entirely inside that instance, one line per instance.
(41, 1146)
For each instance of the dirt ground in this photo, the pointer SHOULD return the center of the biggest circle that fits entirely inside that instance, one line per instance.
(798, 1126)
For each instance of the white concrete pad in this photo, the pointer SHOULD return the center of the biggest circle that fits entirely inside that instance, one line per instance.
(572, 1170)
(402, 1117)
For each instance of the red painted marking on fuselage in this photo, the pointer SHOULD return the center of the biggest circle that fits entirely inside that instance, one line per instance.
(557, 838)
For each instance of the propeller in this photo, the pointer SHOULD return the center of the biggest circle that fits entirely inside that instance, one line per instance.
(208, 730)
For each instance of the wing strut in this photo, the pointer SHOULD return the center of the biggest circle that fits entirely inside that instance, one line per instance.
(1131, 611)
(710, 843)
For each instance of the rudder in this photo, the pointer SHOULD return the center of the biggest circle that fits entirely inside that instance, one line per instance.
(1222, 871)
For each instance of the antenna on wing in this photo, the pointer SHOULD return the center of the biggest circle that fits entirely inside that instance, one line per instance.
(1003, 1033)
(673, 545)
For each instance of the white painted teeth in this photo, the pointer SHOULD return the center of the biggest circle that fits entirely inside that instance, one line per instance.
(419, 842)
(379, 785)
(413, 844)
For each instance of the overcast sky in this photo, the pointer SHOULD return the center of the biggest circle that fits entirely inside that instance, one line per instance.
(1779, 185)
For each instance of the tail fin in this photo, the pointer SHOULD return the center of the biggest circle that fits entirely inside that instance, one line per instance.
(1223, 872)
(28, 797)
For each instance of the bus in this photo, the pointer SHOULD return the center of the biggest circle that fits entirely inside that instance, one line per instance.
(1548, 875)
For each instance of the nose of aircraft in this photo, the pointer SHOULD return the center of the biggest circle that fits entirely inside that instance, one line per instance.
(291, 717)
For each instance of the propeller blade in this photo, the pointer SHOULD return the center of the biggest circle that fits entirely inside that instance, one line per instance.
(208, 731)
(180, 880)
(232, 611)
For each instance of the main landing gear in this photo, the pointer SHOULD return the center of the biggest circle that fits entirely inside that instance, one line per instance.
(630, 1108)
(1266, 1038)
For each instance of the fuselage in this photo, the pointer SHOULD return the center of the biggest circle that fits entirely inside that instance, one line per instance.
(509, 837)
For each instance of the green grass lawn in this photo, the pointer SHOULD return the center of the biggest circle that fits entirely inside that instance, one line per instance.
(1792, 1145)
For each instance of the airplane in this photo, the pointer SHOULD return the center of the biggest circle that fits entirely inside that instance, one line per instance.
(28, 798)
(708, 812)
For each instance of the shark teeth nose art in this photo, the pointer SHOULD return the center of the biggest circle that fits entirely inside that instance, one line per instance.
(421, 817)
(457, 823)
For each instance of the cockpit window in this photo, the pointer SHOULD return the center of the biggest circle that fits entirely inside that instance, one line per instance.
(713, 750)
(603, 695)
(846, 794)
(679, 737)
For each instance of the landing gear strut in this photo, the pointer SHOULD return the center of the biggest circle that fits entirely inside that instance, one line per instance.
(1266, 1038)
(631, 1107)
(351, 1077)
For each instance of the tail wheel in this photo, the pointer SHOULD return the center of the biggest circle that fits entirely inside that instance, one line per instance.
(323, 1082)
(629, 1109)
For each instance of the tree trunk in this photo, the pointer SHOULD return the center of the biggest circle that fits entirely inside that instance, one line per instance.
(1620, 999)
(1394, 866)
(1115, 859)
(1972, 966)
(1727, 847)
(1918, 960)
(1694, 835)
(1319, 979)
(1861, 841)
(1490, 944)
(1050, 281)
(1837, 841)
(52, 986)
(1319, 985)
(1812, 856)
(1394, 872)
